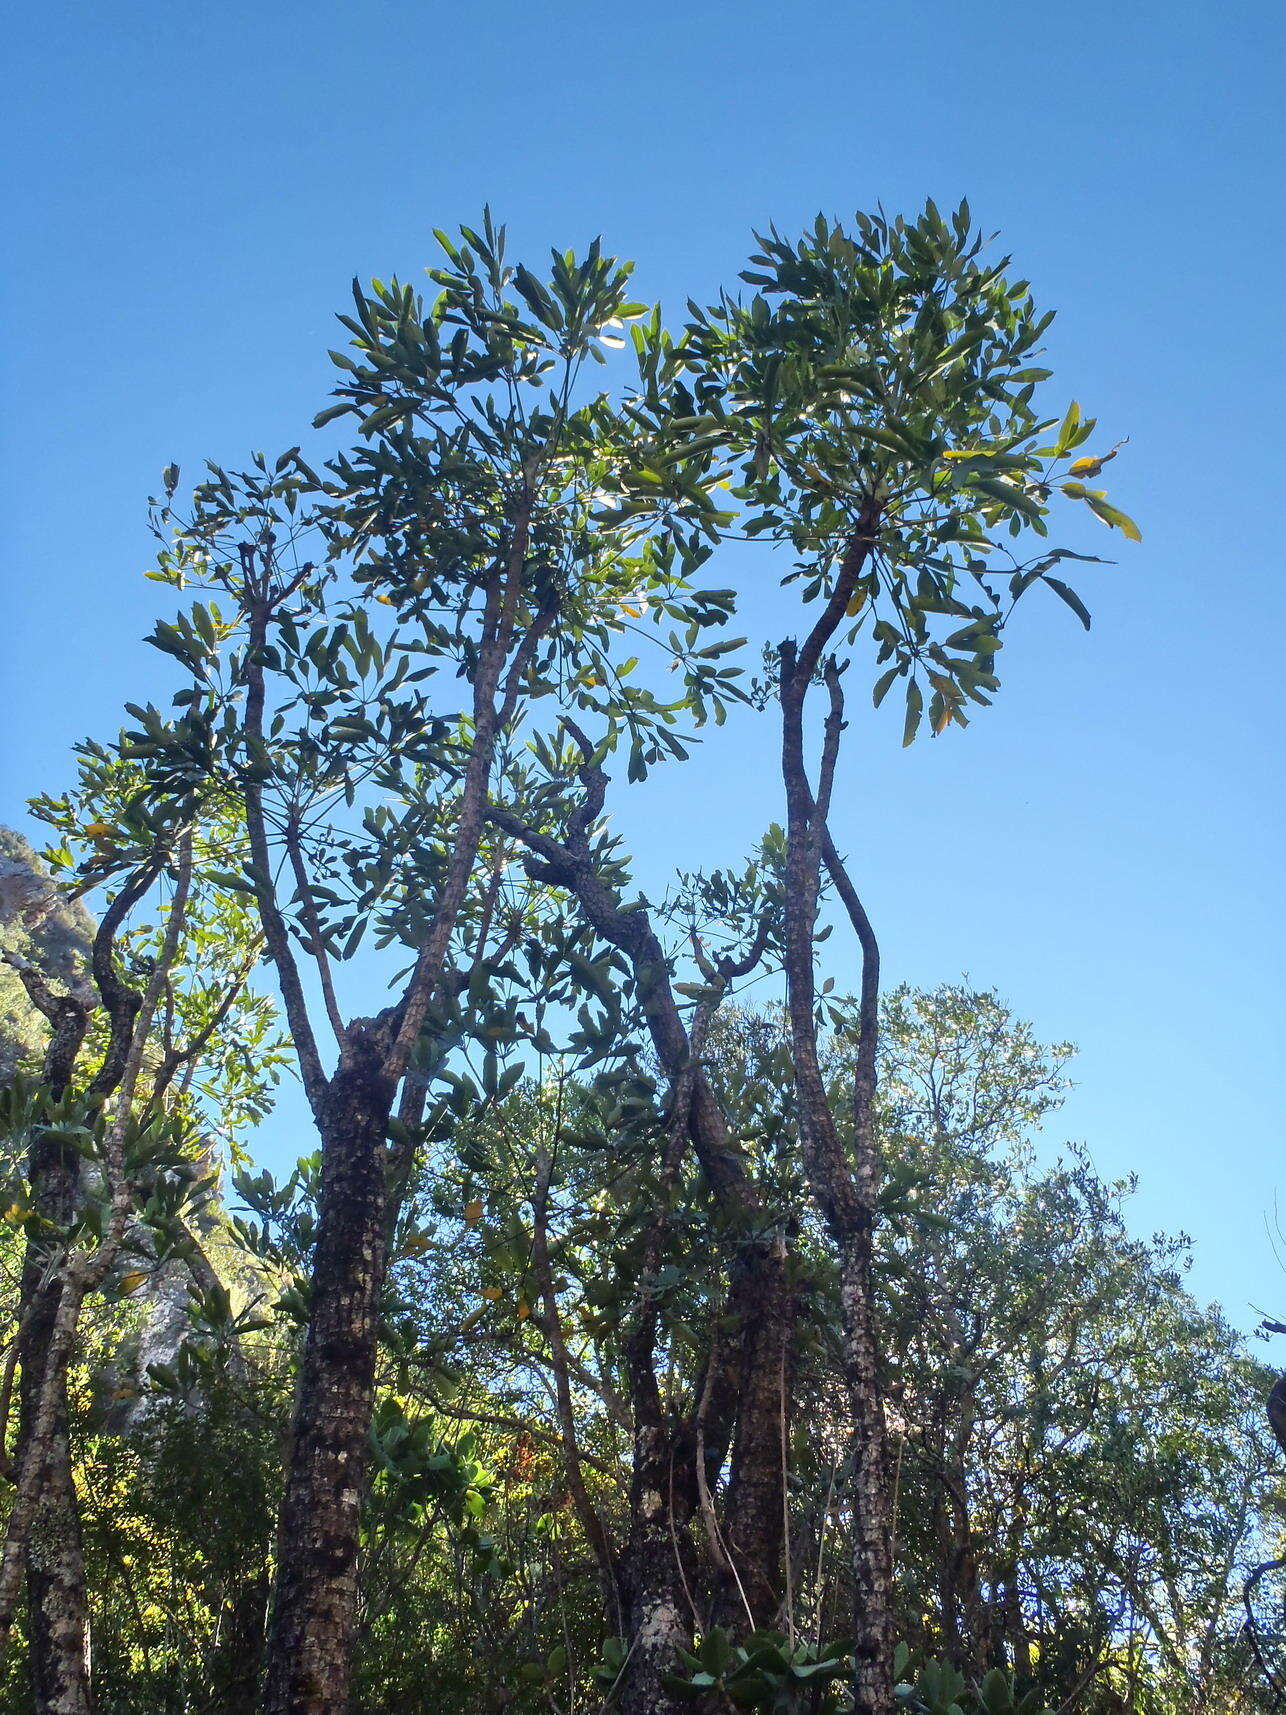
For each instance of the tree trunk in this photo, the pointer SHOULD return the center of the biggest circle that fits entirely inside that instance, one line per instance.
(657, 1613)
(665, 1483)
(872, 1565)
(845, 1187)
(313, 1627)
(755, 1511)
(242, 1650)
(57, 1599)
(1015, 1624)
(57, 1602)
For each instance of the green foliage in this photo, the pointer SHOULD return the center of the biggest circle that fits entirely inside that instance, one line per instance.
(936, 1688)
(492, 564)
(764, 1671)
(1111, 1419)
(218, 1044)
(878, 392)
(483, 464)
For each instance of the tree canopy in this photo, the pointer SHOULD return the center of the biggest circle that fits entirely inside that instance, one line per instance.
(659, 1316)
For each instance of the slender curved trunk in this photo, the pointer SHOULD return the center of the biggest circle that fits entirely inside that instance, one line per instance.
(845, 1185)
(313, 1627)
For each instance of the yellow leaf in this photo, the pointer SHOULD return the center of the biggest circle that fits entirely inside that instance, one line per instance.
(524, 1310)
(634, 612)
(473, 1211)
(386, 599)
(132, 1281)
(492, 1293)
(1092, 466)
(856, 604)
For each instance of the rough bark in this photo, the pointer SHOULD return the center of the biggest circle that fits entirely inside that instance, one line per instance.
(657, 1611)
(872, 1568)
(754, 1533)
(35, 1452)
(45, 1522)
(663, 1481)
(845, 1193)
(314, 1616)
(57, 1600)
(743, 1385)
(130, 1015)
(313, 1627)
(58, 1631)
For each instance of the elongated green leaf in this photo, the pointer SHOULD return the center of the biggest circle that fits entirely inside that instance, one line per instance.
(914, 709)
(1071, 598)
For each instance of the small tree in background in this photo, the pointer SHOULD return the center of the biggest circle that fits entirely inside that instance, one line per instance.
(153, 1050)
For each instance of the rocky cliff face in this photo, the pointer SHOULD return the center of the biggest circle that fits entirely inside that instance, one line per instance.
(56, 941)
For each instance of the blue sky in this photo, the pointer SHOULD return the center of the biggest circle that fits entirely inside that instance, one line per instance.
(192, 189)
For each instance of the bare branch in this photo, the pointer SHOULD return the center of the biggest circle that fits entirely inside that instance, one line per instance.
(121, 1001)
(276, 934)
(312, 923)
(185, 1054)
(551, 1326)
(498, 628)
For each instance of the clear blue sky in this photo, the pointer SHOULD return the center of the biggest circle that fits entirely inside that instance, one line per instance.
(193, 187)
